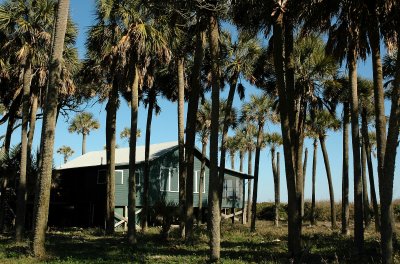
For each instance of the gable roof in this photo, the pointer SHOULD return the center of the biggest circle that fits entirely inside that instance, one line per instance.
(98, 158)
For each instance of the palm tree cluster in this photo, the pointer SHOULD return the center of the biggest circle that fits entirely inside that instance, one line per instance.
(141, 50)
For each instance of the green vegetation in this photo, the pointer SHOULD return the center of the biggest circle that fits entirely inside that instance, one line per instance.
(267, 245)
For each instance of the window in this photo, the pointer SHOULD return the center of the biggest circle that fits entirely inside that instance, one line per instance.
(119, 177)
(169, 179)
(196, 182)
(101, 176)
(231, 189)
(138, 177)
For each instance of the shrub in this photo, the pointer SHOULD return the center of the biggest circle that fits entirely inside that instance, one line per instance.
(164, 214)
(266, 211)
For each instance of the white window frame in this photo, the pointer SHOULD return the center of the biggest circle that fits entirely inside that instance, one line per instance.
(105, 179)
(170, 170)
(140, 173)
(197, 181)
(122, 177)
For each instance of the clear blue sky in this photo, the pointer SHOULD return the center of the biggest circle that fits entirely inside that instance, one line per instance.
(164, 129)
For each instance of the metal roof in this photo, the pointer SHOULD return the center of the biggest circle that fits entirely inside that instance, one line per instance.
(97, 158)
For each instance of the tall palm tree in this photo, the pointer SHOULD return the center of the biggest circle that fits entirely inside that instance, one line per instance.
(42, 197)
(274, 140)
(338, 91)
(105, 61)
(192, 110)
(150, 101)
(242, 56)
(28, 28)
(365, 89)
(213, 193)
(146, 45)
(203, 126)
(258, 110)
(314, 174)
(321, 122)
(83, 123)
(66, 151)
(248, 134)
(347, 40)
(390, 31)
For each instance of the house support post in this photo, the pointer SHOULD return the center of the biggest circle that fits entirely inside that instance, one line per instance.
(126, 216)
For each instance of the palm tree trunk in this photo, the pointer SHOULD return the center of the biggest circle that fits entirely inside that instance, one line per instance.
(276, 185)
(386, 182)
(21, 193)
(329, 176)
(111, 117)
(146, 176)
(132, 159)
(345, 172)
(294, 199)
(232, 155)
(10, 130)
(5, 180)
(83, 143)
(256, 173)
(304, 181)
(314, 175)
(214, 186)
(190, 126)
(358, 203)
(241, 160)
(367, 216)
(201, 182)
(225, 128)
(42, 197)
(32, 122)
(249, 181)
(181, 141)
(364, 129)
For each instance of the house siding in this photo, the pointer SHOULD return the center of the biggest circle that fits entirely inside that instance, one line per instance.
(168, 191)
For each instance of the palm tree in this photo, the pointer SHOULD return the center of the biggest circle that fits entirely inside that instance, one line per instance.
(42, 197)
(274, 140)
(345, 172)
(320, 122)
(104, 60)
(304, 181)
(338, 91)
(126, 133)
(258, 110)
(28, 26)
(365, 89)
(192, 110)
(151, 103)
(347, 40)
(314, 174)
(66, 151)
(242, 56)
(203, 126)
(231, 145)
(213, 193)
(390, 32)
(248, 134)
(143, 43)
(83, 123)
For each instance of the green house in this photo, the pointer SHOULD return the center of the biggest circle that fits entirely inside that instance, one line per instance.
(79, 198)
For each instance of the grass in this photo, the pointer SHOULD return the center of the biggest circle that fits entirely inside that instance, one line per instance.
(267, 245)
